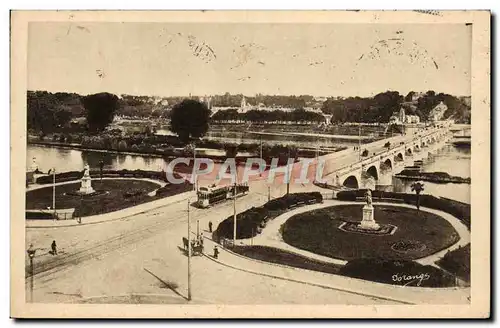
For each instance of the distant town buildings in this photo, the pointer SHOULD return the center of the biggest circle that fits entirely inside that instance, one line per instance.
(401, 118)
(436, 114)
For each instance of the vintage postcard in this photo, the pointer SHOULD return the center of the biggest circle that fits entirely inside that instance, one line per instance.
(250, 164)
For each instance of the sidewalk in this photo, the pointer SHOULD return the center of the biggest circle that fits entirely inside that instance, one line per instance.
(111, 216)
(408, 295)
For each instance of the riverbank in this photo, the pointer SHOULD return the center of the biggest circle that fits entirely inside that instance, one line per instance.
(216, 151)
(436, 177)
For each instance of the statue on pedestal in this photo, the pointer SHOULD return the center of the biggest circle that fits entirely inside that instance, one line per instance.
(368, 221)
(86, 187)
(368, 197)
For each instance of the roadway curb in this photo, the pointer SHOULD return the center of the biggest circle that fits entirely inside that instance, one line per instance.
(306, 282)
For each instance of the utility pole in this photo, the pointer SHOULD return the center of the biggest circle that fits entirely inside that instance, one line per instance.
(189, 252)
(234, 215)
(288, 173)
(260, 147)
(54, 192)
(359, 141)
(268, 193)
(194, 169)
(31, 255)
(198, 229)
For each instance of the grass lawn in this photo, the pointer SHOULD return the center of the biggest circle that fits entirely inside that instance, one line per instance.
(317, 231)
(115, 199)
(457, 262)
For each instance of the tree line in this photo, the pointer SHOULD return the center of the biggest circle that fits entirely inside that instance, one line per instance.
(297, 115)
(380, 107)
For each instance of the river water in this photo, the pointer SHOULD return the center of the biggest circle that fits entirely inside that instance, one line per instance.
(450, 159)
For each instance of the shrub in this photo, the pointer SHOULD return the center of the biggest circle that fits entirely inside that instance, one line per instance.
(250, 222)
(457, 262)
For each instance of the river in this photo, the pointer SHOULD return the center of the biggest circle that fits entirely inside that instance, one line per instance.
(450, 159)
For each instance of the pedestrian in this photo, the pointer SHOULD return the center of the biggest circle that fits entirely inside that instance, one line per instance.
(216, 252)
(54, 247)
(210, 226)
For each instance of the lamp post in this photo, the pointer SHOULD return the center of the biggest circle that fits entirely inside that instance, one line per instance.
(189, 251)
(31, 254)
(234, 215)
(54, 192)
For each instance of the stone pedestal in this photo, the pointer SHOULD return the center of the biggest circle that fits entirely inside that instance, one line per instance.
(368, 221)
(86, 187)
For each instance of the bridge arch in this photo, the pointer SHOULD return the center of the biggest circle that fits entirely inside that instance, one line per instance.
(372, 170)
(351, 182)
(399, 157)
(409, 151)
(388, 163)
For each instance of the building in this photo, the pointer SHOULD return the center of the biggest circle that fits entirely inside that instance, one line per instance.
(437, 113)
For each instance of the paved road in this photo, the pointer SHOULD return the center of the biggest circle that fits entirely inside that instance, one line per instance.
(140, 254)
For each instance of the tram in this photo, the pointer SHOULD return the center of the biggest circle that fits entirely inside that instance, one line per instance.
(208, 196)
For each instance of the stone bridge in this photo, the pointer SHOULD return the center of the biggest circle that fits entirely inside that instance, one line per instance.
(385, 158)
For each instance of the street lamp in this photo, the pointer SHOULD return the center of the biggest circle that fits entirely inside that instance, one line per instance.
(54, 192)
(31, 254)
(189, 250)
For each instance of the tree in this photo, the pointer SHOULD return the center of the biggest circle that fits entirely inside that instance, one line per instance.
(190, 118)
(100, 110)
(417, 187)
(231, 150)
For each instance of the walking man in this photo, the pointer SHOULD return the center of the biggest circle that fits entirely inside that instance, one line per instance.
(54, 247)
(216, 252)
(210, 226)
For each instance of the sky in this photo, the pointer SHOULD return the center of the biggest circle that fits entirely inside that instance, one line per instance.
(176, 59)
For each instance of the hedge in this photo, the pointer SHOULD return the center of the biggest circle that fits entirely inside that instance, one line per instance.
(457, 262)
(457, 209)
(77, 175)
(397, 272)
(252, 221)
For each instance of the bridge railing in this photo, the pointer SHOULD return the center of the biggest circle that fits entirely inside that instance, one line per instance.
(378, 156)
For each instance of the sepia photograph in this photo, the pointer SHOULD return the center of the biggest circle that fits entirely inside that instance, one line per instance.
(250, 164)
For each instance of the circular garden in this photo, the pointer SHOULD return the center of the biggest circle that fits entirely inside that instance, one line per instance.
(111, 195)
(418, 233)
